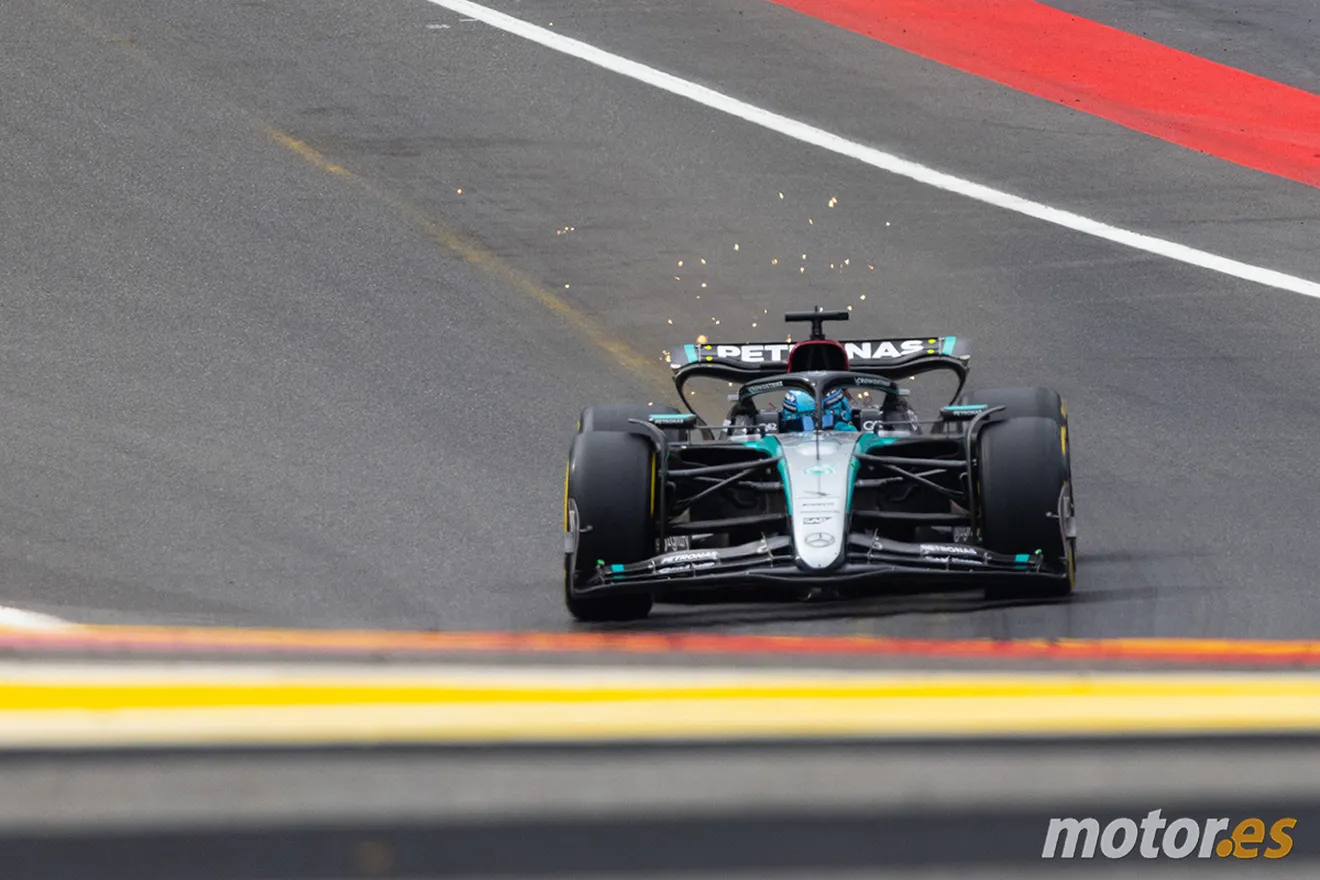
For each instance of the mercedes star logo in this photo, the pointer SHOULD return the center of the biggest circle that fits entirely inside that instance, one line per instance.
(818, 539)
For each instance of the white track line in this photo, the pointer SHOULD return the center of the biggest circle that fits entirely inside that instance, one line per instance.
(17, 618)
(876, 158)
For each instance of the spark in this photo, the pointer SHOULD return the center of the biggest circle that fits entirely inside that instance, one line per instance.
(847, 261)
(735, 245)
(781, 195)
(831, 265)
(566, 287)
(676, 278)
(804, 256)
(698, 296)
(774, 262)
(811, 222)
(802, 270)
(680, 264)
(703, 261)
(863, 296)
(717, 322)
(849, 309)
(701, 340)
(671, 320)
(869, 266)
(832, 202)
(703, 285)
(460, 190)
(886, 222)
(753, 323)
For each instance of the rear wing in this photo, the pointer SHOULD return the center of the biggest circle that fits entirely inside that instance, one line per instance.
(864, 355)
(892, 359)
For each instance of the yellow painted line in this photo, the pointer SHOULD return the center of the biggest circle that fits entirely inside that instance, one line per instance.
(44, 708)
(192, 694)
(649, 370)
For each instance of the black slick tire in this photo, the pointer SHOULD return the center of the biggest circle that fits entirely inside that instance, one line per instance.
(1023, 471)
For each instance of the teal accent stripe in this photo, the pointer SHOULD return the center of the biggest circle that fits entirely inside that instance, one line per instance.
(691, 352)
(949, 343)
(616, 567)
(864, 443)
(965, 407)
(1022, 557)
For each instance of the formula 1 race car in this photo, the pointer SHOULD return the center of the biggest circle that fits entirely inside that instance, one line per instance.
(830, 498)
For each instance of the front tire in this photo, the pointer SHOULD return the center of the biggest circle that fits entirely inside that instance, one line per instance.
(1024, 477)
(611, 482)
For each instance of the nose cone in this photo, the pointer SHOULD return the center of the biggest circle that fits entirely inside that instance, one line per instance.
(819, 475)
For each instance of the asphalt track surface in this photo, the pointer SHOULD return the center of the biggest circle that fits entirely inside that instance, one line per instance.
(262, 362)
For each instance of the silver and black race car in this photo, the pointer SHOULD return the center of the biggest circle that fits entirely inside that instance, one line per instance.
(661, 505)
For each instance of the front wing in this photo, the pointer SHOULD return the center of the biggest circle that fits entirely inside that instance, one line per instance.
(869, 565)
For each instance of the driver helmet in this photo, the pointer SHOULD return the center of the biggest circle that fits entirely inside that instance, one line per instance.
(799, 412)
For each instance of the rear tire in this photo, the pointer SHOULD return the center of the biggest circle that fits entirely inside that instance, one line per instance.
(615, 416)
(1021, 403)
(1029, 402)
(1023, 471)
(611, 481)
